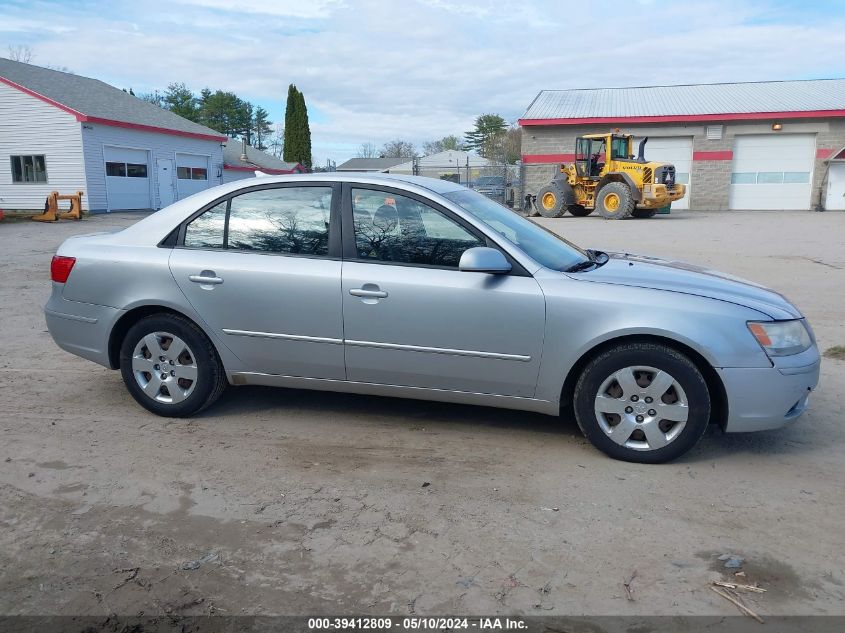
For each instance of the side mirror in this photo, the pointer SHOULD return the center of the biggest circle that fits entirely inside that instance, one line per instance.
(482, 259)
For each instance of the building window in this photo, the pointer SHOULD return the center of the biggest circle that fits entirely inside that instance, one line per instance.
(770, 178)
(29, 168)
(192, 173)
(126, 170)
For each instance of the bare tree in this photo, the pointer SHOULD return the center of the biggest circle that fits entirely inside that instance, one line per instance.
(276, 141)
(399, 149)
(21, 53)
(445, 143)
(367, 150)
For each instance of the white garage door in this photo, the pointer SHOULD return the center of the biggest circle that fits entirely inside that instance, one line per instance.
(772, 171)
(191, 174)
(127, 178)
(676, 150)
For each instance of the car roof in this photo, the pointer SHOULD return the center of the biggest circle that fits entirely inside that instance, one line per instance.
(432, 184)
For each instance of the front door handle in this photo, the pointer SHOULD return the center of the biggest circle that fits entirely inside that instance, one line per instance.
(367, 292)
(202, 279)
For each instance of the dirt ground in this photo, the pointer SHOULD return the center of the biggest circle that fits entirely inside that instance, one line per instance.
(296, 502)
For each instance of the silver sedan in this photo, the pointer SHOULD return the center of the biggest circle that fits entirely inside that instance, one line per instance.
(421, 288)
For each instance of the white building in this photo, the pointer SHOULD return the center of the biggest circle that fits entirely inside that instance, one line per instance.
(66, 133)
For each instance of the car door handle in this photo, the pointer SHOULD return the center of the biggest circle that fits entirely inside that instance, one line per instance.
(361, 292)
(200, 279)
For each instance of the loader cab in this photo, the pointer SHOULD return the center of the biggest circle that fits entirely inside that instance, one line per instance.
(590, 156)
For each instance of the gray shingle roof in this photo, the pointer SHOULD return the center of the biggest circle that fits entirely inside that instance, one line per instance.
(96, 99)
(233, 149)
(370, 164)
(690, 100)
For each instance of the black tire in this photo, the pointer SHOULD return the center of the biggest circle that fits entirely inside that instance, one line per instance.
(643, 213)
(579, 211)
(615, 201)
(210, 379)
(641, 356)
(550, 201)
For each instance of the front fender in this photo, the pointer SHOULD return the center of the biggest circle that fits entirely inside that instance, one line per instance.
(582, 316)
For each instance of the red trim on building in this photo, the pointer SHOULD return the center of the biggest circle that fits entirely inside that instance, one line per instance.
(84, 118)
(151, 128)
(687, 118)
(719, 155)
(32, 93)
(824, 153)
(276, 172)
(548, 158)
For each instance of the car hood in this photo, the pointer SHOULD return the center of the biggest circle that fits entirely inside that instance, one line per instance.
(674, 276)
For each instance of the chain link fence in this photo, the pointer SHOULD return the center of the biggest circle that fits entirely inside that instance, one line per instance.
(498, 181)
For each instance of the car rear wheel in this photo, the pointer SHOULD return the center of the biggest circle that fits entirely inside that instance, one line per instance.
(170, 367)
(642, 402)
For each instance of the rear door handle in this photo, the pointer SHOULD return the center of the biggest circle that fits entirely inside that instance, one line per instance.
(200, 279)
(361, 292)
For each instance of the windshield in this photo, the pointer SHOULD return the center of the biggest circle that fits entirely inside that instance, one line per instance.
(543, 246)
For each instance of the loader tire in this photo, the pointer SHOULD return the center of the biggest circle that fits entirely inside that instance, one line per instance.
(550, 201)
(644, 213)
(615, 201)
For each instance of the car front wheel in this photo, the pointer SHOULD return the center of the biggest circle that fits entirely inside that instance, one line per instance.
(642, 402)
(170, 367)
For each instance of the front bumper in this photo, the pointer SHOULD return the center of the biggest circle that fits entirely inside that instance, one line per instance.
(761, 399)
(80, 328)
(660, 195)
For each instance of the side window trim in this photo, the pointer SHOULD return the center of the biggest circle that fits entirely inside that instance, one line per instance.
(335, 230)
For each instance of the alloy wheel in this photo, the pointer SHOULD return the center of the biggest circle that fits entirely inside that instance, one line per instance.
(164, 367)
(641, 408)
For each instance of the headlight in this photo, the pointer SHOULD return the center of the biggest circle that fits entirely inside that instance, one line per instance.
(781, 338)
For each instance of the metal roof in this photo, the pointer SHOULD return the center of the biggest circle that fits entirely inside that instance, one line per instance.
(255, 158)
(94, 99)
(690, 100)
(370, 164)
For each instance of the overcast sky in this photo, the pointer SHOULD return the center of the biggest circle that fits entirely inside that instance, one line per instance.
(375, 70)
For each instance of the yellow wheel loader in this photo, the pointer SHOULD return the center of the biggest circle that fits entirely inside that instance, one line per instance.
(608, 178)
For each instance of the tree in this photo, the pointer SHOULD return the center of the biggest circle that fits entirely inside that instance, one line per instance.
(367, 150)
(487, 127)
(226, 113)
(297, 139)
(276, 142)
(179, 99)
(153, 97)
(446, 143)
(505, 147)
(21, 53)
(261, 129)
(399, 149)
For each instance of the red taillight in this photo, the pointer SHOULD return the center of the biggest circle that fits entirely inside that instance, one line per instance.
(60, 268)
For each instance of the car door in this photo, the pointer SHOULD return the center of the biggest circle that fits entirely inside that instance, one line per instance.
(411, 318)
(262, 268)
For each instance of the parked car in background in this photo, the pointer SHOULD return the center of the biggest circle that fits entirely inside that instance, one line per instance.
(421, 288)
(491, 186)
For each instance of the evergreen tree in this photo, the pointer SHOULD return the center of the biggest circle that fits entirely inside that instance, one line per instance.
(306, 132)
(261, 129)
(487, 128)
(180, 100)
(297, 145)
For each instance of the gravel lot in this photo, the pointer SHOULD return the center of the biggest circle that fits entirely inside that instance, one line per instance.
(296, 502)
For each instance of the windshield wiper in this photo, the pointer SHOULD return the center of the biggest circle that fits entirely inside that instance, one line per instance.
(585, 265)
